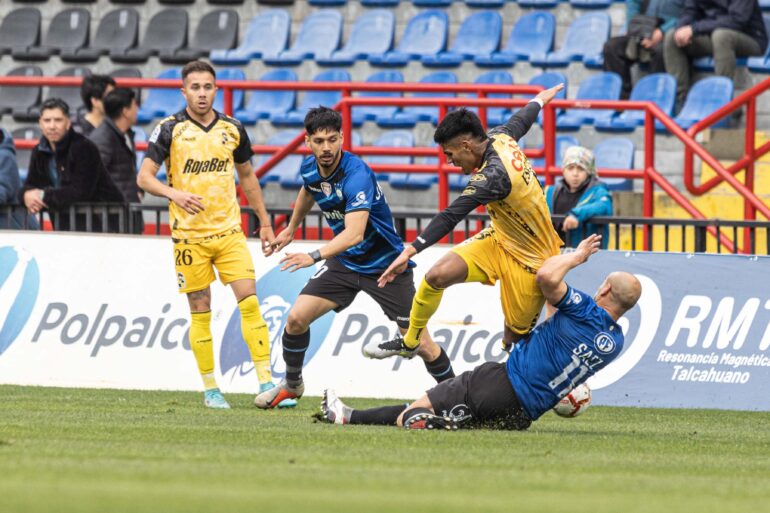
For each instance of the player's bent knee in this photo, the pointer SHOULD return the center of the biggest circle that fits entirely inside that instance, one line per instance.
(296, 324)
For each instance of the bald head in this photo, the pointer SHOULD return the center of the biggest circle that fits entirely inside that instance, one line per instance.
(625, 290)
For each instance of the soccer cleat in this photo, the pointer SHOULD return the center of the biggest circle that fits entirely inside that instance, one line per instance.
(274, 396)
(395, 347)
(286, 403)
(332, 408)
(214, 399)
(424, 419)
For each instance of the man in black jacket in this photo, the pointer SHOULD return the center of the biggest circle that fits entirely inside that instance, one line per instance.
(115, 140)
(726, 29)
(65, 168)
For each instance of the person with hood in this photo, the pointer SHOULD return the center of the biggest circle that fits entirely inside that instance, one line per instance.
(579, 196)
(12, 216)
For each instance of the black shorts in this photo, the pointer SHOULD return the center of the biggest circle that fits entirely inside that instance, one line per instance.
(482, 397)
(337, 283)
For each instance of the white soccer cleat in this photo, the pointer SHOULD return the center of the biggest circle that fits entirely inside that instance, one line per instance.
(395, 347)
(332, 408)
(274, 396)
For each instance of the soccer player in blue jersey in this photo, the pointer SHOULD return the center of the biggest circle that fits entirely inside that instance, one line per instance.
(581, 338)
(365, 243)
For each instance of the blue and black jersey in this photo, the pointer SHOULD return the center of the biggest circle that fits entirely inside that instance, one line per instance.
(351, 187)
(563, 352)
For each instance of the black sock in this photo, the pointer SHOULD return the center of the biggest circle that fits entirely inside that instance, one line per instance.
(294, 347)
(382, 416)
(441, 367)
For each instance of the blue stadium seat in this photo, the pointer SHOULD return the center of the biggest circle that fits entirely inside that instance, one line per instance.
(486, 4)
(584, 42)
(659, 88)
(590, 4)
(705, 97)
(401, 138)
(601, 86)
(219, 99)
(764, 5)
(562, 143)
(266, 37)
(479, 35)
(432, 3)
(373, 113)
(160, 103)
(314, 99)
(409, 116)
(286, 172)
(263, 104)
(318, 37)
(532, 36)
(380, 3)
(539, 4)
(372, 34)
(616, 153)
(327, 3)
(425, 34)
(496, 115)
(548, 80)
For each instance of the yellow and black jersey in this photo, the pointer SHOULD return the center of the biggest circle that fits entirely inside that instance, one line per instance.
(200, 160)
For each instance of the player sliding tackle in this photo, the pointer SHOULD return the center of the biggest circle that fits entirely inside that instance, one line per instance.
(511, 250)
(581, 338)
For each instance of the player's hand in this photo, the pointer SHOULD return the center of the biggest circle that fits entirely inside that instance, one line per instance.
(282, 240)
(394, 269)
(588, 247)
(549, 94)
(296, 261)
(190, 203)
(33, 202)
(267, 237)
(570, 223)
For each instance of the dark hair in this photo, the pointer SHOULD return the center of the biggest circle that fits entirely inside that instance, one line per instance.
(459, 122)
(93, 86)
(197, 67)
(117, 100)
(322, 118)
(55, 103)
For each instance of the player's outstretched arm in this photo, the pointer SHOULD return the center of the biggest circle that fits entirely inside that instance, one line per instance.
(521, 121)
(302, 206)
(551, 275)
(253, 192)
(148, 181)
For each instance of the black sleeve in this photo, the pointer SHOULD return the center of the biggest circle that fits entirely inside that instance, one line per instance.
(85, 167)
(37, 176)
(520, 123)
(159, 143)
(243, 152)
(445, 221)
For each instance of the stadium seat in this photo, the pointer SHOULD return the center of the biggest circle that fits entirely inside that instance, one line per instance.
(266, 37)
(562, 143)
(399, 138)
(71, 95)
(539, 4)
(23, 156)
(118, 30)
(68, 31)
(659, 88)
(548, 80)
(219, 99)
(601, 86)
(318, 37)
(584, 42)
(764, 5)
(22, 102)
(705, 97)
(287, 170)
(432, 3)
(276, 2)
(531, 36)
(225, 2)
(496, 115)
(176, 2)
(590, 4)
(314, 99)
(479, 35)
(372, 34)
(409, 116)
(20, 28)
(380, 3)
(263, 104)
(217, 30)
(166, 31)
(373, 113)
(486, 4)
(327, 3)
(129, 73)
(615, 153)
(135, 2)
(162, 102)
(425, 34)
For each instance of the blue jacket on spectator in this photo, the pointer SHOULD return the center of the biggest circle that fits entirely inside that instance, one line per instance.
(595, 201)
(705, 16)
(10, 185)
(667, 10)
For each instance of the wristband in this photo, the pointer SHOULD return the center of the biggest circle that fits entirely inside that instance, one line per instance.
(316, 256)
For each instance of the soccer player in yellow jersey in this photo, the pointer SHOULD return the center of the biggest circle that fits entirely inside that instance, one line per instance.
(200, 148)
(520, 238)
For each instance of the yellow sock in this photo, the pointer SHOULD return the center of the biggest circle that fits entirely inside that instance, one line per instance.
(257, 337)
(203, 347)
(424, 305)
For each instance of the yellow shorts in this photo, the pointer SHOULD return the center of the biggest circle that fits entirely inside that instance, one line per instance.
(488, 262)
(195, 262)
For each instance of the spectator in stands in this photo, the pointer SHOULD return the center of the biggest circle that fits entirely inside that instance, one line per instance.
(92, 91)
(65, 168)
(579, 196)
(647, 21)
(724, 29)
(12, 215)
(115, 140)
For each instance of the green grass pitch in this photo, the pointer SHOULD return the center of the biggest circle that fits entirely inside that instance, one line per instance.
(66, 450)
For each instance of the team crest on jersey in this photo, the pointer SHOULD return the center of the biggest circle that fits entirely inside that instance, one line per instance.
(604, 343)
(339, 193)
(326, 187)
(469, 191)
(224, 138)
(478, 177)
